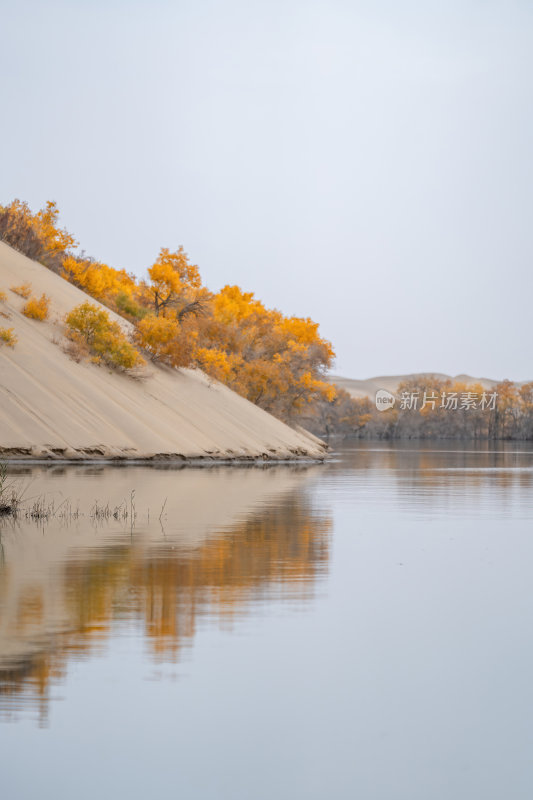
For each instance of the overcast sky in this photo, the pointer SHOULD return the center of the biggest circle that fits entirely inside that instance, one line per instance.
(368, 164)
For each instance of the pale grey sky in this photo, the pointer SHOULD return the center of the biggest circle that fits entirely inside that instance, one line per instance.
(368, 164)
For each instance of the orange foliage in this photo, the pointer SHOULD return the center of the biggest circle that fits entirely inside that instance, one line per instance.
(37, 308)
(97, 279)
(56, 240)
(173, 280)
(275, 361)
(36, 235)
(24, 290)
(165, 340)
(104, 338)
(7, 337)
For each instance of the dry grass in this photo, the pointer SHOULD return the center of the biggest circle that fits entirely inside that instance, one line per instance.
(9, 498)
(37, 308)
(76, 348)
(3, 297)
(7, 337)
(24, 290)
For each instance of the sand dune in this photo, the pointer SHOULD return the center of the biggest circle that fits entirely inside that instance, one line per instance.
(54, 408)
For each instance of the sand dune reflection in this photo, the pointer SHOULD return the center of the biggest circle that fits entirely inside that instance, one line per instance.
(228, 539)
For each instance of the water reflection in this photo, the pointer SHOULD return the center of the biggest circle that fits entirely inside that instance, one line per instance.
(204, 545)
(428, 478)
(387, 657)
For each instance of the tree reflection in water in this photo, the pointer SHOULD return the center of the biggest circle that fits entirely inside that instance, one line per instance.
(107, 577)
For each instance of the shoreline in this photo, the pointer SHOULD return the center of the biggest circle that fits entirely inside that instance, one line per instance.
(170, 461)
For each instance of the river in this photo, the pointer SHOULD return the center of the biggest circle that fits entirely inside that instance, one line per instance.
(358, 629)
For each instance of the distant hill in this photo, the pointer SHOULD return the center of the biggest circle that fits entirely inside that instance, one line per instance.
(369, 387)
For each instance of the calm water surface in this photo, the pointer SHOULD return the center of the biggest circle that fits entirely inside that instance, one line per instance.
(361, 629)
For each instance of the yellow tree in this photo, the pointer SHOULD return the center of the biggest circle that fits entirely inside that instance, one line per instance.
(175, 284)
(97, 279)
(36, 235)
(57, 240)
(275, 361)
(166, 340)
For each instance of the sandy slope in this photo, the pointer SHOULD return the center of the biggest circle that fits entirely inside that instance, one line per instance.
(369, 387)
(52, 407)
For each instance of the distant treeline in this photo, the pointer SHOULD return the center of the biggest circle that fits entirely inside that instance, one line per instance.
(429, 408)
